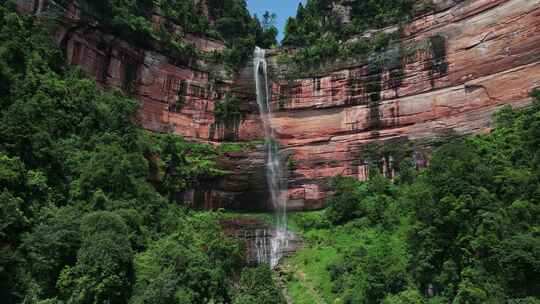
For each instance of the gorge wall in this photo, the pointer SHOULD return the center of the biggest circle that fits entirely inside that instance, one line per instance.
(451, 71)
(177, 95)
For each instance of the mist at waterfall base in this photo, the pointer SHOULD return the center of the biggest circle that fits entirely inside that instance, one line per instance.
(274, 174)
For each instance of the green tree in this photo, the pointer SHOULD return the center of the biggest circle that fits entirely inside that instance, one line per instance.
(12, 224)
(258, 286)
(52, 244)
(104, 262)
(183, 268)
(344, 204)
(372, 269)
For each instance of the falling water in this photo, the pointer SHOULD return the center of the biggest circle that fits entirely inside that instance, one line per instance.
(274, 176)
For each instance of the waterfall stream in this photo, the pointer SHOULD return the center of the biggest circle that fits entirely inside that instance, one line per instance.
(274, 173)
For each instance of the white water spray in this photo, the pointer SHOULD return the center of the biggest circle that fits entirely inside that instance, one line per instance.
(274, 176)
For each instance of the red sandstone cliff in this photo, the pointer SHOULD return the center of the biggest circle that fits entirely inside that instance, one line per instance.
(160, 83)
(491, 58)
(154, 79)
(454, 69)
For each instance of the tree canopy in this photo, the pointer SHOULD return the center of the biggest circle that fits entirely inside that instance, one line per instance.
(463, 230)
(89, 208)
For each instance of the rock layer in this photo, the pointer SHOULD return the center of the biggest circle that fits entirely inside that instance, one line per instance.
(491, 58)
(257, 237)
(451, 71)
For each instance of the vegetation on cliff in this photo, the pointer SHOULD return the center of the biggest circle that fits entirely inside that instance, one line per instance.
(324, 17)
(226, 20)
(241, 30)
(325, 30)
(464, 230)
(90, 203)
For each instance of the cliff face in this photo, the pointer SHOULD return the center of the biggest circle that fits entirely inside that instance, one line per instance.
(452, 70)
(176, 95)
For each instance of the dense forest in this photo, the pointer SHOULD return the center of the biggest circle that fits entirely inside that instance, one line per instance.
(231, 23)
(464, 230)
(88, 211)
(91, 209)
(324, 33)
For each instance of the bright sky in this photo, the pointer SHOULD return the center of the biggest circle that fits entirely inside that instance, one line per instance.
(282, 8)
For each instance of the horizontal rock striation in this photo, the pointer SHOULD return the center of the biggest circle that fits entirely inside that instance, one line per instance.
(450, 72)
(257, 235)
(177, 95)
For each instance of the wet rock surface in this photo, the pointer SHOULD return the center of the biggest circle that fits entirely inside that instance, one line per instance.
(257, 236)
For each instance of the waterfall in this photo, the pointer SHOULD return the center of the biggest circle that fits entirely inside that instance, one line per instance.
(274, 176)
